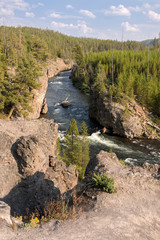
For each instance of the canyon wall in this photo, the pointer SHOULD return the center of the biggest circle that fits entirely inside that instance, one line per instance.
(51, 69)
(128, 120)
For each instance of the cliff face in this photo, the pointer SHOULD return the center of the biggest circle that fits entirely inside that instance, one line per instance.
(30, 173)
(51, 69)
(130, 121)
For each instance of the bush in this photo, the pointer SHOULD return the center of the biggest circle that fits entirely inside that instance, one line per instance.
(104, 182)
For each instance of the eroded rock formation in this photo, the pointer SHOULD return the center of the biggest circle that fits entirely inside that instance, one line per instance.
(51, 69)
(30, 173)
(128, 121)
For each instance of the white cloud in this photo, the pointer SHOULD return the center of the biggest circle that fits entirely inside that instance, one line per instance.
(154, 16)
(81, 27)
(58, 25)
(37, 5)
(128, 27)
(6, 12)
(43, 18)
(40, 4)
(69, 7)
(29, 14)
(135, 9)
(87, 13)
(55, 15)
(60, 16)
(7, 7)
(119, 11)
(146, 5)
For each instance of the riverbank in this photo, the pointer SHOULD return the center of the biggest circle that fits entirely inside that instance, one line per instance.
(126, 118)
(51, 69)
(48, 70)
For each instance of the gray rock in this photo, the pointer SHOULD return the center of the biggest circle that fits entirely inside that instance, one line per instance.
(5, 212)
(51, 69)
(30, 173)
(44, 109)
(114, 116)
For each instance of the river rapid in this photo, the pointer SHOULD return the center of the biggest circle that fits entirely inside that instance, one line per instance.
(134, 151)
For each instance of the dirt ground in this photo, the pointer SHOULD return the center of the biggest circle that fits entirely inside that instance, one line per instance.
(131, 213)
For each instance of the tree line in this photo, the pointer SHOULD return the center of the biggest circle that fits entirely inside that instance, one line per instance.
(24, 49)
(121, 74)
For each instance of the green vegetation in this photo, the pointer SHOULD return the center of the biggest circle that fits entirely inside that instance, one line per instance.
(24, 49)
(76, 149)
(110, 150)
(123, 163)
(103, 182)
(120, 75)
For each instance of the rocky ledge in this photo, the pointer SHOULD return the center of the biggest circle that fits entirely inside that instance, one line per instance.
(30, 173)
(131, 213)
(129, 121)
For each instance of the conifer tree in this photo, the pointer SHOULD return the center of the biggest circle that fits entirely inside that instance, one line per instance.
(76, 149)
(85, 149)
(72, 152)
(18, 88)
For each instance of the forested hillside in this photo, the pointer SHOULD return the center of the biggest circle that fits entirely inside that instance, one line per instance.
(121, 74)
(22, 50)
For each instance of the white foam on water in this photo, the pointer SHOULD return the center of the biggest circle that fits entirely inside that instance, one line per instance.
(56, 83)
(57, 110)
(61, 135)
(98, 138)
(130, 161)
(154, 154)
(61, 124)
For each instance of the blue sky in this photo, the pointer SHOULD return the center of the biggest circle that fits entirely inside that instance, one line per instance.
(104, 19)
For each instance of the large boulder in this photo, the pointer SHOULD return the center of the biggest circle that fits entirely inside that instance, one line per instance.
(30, 173)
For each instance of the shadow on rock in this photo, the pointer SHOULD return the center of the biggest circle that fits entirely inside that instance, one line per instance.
(31, 192)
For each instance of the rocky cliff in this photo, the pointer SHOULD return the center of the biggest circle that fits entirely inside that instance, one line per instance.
(128, 121)
(51, 69)
(30, 173)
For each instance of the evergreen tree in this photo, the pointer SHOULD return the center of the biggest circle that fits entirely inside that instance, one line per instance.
(72, 152)
(85, 149)
(18, 88)
(76, 149)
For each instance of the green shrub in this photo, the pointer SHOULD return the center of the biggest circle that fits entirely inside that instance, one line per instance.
(104, 182)
(110, 150)
(123, 163)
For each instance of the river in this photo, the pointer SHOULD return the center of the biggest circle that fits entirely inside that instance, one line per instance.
(132, 151)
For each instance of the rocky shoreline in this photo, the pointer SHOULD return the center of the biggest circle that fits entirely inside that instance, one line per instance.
(130, 121)
(51, 69)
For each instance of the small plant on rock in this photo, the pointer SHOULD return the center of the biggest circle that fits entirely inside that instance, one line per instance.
(123, 162)
(32, 223)
(104, 182)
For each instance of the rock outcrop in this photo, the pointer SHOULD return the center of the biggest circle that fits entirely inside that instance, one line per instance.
(141, 176)
(51, 69)
(30, 173)
(5, 212)
(127, 121)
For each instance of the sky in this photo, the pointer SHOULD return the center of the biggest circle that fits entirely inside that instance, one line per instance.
(104, 19)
